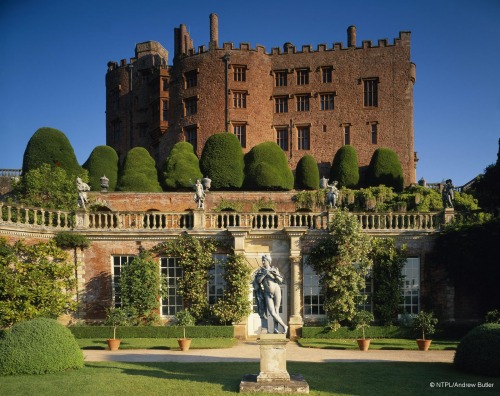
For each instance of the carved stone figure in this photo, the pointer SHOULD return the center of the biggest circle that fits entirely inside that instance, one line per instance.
(266, 285)
(199, 195)
(447, 194)
(82, 192)
(332, 195)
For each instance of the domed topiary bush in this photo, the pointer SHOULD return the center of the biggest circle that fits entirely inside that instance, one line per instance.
(385, 168)
(479, 351)
(307, 173)
(103, 161)
(266, 168)
(38, 346)
(345, 167)
(51, 146)
(181, 168)
(139, 172)
(222, 161)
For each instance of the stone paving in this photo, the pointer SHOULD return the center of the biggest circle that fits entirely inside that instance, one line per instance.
(248, 351)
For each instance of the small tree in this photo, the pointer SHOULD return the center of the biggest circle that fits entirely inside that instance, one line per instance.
(139, 172)
(345, 168)
(266, 168)
(425, 323)
(184, 319)
(103, 161)
(362, 321)
(342, 261)
(116, 317)
(385, 169)
(35, 281)
(140, 287)
(181, 168)
(307, 173)
(222, 161)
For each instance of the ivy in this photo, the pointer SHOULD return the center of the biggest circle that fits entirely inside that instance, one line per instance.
(264, 205)
(225, 205)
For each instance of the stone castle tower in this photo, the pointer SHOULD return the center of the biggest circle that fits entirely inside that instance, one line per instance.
(309, 101)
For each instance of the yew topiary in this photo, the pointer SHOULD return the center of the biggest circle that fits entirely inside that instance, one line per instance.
(307, 174)
(39, 346)
(181, 168)
(222, 161)
(266, 168)
(385, 168)
(51, 146)
(139, 172)
(345, 168)
(103, 161)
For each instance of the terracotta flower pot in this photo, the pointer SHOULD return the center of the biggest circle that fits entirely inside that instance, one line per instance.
(363, 344)
(184, 343)
(423, 345)
(114, 344)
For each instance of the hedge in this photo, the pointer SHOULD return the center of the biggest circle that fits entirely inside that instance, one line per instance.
(345, 167)
(103, 161)
(181, 168)
(307, 174)
(385, 168)
(139, 172)
(371, 332)
(106, 332)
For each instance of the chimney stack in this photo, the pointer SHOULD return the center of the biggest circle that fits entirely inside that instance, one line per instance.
(351, 36)
(214, 30)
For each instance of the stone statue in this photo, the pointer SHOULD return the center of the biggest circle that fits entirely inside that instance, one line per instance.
(82, 192)
(104, 183)
(332, 194)
(447, 194)
(266, 285)
(199, 195)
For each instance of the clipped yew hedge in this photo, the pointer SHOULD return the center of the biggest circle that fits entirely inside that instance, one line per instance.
(181, 168)
(345, 167)
(345, 332)
(106, 332)
(38, 346)
(385, 168)
(307, 173)
(103, 161)
(139, 172)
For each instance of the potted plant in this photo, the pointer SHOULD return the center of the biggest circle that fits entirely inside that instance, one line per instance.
(424, 322)
(115, 317)
(184, 318)
(362, 321)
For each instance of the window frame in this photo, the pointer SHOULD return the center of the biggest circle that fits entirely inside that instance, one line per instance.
(281, 104)
(311, 287)
(411, 286)
(327, 101)
(302, 76)
(282, 138)
(239, 73)
(303, 102)
(304, 137)
(327, 74)
(240, 131)
(370, 92)
(281, 78)
(171, 284)
(191, 78)
(240, 99)
(190, 106)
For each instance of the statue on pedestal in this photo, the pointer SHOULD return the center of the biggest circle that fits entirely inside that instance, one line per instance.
(266, 285)
(82, 192)
(447, 194)
(199, 195)
(332, 194)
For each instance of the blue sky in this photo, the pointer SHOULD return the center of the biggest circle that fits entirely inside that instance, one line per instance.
(54, 55)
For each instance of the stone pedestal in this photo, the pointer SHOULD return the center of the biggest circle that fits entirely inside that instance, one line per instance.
(273, 376)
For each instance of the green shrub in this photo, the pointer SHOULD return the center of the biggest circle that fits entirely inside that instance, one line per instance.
(51, 146)
(222, 161)
(103, 161)
(345, 168)
(139, 172)
(385, 169)
(181, 168)
(266, 168)
(39, 346)
(479, 351)
(345, 332)
(307, 174)
(71, 240)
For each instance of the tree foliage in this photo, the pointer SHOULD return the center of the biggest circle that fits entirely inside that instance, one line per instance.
(234, 306)
(222, 161)
(35, 281)
(139, 172)
(345, 168)
(51, 146)
(307, 173)
(388, 263)
(103, 161)
(140, 288)
(181, 168)
(342, 261)
(487, 187)
(385, 168)
(266, 168)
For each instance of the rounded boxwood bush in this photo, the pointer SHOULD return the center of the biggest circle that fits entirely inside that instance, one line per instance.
(51, 146)
(139, 172)
(103, 161)
(39, 346)
(181, 168)
(345, 167)
(222, 161)
(385, 168)
(479, 351)
(266, 168)
(307, 173)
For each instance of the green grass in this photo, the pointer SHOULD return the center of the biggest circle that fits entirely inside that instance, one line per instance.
(209, 379)
(376, 343)
(158, 343)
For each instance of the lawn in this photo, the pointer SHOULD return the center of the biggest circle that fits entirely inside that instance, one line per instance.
(158, 343)
(376, 343)
(209, 379)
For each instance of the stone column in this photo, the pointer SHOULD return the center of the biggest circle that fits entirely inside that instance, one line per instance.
(198, 219)
(272, 358)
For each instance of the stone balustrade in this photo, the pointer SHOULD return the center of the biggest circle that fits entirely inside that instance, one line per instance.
(158, 221)
(10, 172)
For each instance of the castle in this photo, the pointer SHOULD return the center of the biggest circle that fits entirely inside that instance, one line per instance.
(308, 101)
